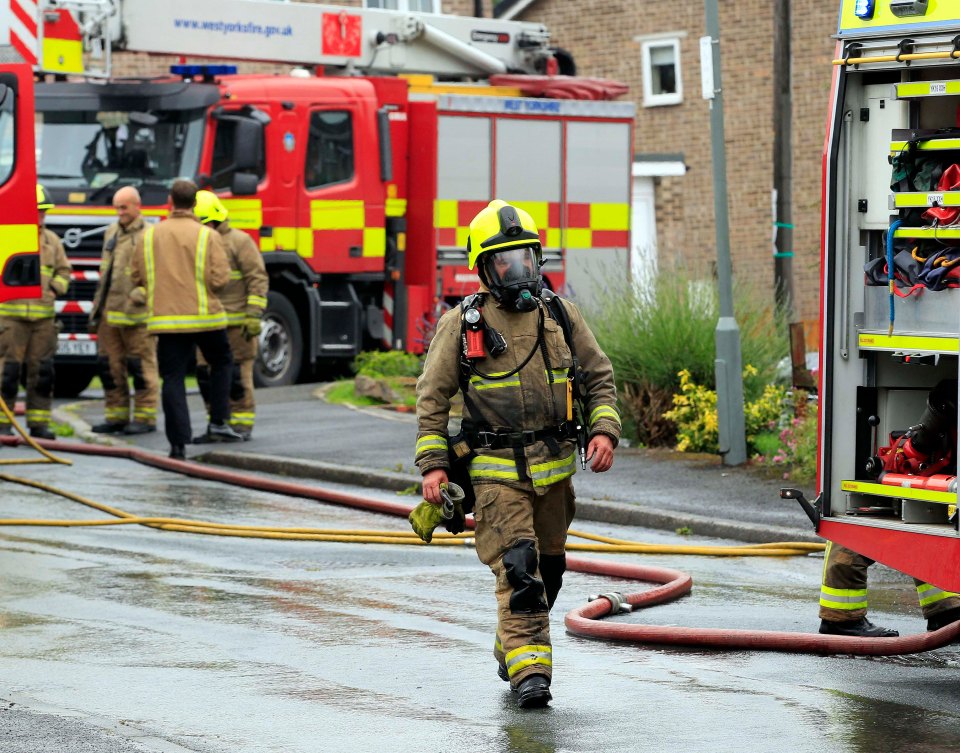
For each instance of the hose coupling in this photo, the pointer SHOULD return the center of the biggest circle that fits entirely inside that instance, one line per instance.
(618, 603)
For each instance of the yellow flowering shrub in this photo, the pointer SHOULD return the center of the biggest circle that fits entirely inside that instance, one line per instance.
(694, 412)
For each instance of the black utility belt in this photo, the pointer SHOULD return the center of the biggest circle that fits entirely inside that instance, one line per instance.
(501, 439)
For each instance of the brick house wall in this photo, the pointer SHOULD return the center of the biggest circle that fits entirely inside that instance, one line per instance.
(602, 36)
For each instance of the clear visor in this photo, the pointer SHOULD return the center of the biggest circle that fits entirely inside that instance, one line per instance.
(512, 266)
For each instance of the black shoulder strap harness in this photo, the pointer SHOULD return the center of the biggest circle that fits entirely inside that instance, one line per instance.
(484, 436)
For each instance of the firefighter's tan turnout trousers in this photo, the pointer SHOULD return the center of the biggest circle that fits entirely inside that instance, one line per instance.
(520, 536)
(27, 347)
(843, 595)
(127, 352)
(243, 408)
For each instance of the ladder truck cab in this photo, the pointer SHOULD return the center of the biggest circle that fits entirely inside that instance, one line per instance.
(19, 233)
(891, 289)
(358, 189)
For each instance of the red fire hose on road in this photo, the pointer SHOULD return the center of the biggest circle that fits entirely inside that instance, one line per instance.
(586, 621)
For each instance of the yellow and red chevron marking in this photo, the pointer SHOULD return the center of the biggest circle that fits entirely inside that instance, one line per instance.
(23, 28)
(62, 42)
(586, 226)
(338, 223)
(17, 239)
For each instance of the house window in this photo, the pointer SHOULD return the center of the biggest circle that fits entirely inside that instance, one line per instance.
(418, 6)
(661, 73)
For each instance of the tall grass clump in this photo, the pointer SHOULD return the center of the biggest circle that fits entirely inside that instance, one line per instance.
(654, 331)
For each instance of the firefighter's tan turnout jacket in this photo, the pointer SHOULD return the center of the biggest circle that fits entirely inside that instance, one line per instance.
(54, 280)
(245, 295)
(114, 304)
(532, 400)
(182, 265)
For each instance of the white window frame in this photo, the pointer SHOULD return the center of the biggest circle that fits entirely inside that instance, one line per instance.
(404, 5)
(658, 100)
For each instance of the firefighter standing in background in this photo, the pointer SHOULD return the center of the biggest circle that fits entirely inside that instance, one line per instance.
(515, 420)
(119, 318)
(244, 299)
(180, 265)
(29, 333)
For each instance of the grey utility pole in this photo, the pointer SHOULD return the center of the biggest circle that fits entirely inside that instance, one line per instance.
(727, 366)
(782, 160)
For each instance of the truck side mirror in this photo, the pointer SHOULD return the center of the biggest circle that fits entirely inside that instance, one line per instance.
(244, 184)
(247, 144)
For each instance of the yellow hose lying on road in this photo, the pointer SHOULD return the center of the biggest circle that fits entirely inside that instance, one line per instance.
(604, 543)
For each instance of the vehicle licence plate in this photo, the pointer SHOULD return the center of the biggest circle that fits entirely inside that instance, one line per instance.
(76, 348)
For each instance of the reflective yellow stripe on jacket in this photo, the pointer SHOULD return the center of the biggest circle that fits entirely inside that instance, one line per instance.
(491, 469)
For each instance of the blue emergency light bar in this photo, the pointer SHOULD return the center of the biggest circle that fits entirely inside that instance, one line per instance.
(205, 71)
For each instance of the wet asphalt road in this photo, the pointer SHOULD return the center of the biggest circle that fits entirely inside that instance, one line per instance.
(127, 639)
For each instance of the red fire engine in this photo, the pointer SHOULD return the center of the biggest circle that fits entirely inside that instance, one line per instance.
(891, 272)
(19, 260)
(358, 189)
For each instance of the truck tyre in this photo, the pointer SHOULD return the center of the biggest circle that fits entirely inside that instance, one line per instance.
(70, 381)
(281, 344)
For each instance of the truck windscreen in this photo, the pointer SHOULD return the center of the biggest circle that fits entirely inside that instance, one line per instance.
(94, 151)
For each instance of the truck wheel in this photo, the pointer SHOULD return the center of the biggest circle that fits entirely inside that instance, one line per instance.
(70, 381)
(281, 344)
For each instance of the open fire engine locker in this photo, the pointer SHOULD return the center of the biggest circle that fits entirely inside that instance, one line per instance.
(889, 351)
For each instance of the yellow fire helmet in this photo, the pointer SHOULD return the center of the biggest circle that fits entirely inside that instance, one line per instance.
(209, 208)
(44, 202)
(498, 226)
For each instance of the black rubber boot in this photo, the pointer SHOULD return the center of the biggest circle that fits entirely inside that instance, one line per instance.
(108, 428)
(222, 433)
(861, 628)
(137, 427)
(502, 673)
(943, 619)
(177, 452)
(533, 692)
(42, 432)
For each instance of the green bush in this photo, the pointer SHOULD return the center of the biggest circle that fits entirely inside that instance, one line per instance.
(389, 363)
(654, 333)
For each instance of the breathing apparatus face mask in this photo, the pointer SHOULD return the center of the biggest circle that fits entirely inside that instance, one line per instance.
(513, 276)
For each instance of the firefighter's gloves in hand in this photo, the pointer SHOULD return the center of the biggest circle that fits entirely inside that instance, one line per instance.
(427, 516)
(138, 296)
(252, 327)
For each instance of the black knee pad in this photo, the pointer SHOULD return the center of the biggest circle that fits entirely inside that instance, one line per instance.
(552, 568)
(135, 369)
(106, 376)
(236, 384)
(203, 381)
(45, 376)
(10, 381)
(520, 563)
